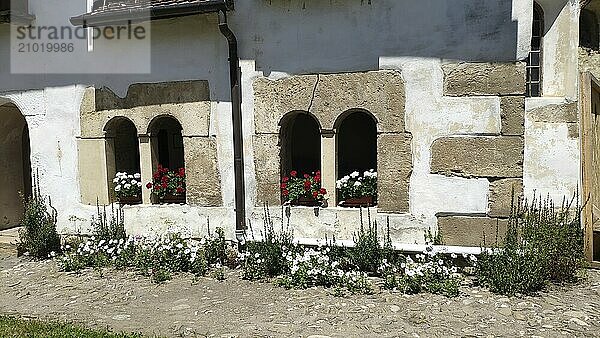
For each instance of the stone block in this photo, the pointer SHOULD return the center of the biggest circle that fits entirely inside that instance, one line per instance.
(394, 167)
(471, 231)
(266, 163)
(202, 174)
(501, 196)
(275, 98)
(328, 96)
(489, 78)
(93, 177)
(148, 94)
(381, 93)
(478, 156)
(512, 112)
(555, 113)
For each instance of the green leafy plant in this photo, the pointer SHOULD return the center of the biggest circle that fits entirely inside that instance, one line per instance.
(543, 244)
(38, 238)
(308, 186)
(265, 258)
(108, 226)
(367, 252)
(356, 185)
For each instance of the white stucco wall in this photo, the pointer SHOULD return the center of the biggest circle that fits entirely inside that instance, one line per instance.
(283, 38)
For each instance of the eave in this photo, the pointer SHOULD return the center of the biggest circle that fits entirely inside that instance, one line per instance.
(155, 11)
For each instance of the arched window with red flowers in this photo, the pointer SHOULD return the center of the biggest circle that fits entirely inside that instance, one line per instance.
(356, 143)
(300, 154)
(168, 179)
(123, 160)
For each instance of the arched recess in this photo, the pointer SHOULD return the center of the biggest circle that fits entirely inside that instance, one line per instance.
(122, 148)
(356, 142)
(588, 29)
(166, 142)
(300, 143)
(15, 181)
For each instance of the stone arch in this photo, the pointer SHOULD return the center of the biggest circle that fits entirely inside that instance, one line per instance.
(166, 138)
(15, 163)
(356, 142)
(300, 143)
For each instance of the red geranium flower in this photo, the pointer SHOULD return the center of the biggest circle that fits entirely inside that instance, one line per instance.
(285, 179)
(315, 194)
(164, 186)
(285, 192)
(283, 185)
(180, 190)
(181, 172)
(293, 173)
(306, 175)
(322, 191)
(149, 185)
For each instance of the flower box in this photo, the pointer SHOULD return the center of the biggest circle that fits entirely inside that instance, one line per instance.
(356, 202)
(305, 202)
(172, 199)
(130, 200)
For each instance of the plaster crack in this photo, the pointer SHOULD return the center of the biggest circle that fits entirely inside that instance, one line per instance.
(314, 92)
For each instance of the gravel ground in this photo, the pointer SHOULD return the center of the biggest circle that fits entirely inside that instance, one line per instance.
(188, 306)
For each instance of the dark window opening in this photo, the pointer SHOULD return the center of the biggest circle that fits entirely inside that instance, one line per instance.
(167, 143)
(588, 30)
(300, 141)
(125, 145)
(356, 144)
(534, 60)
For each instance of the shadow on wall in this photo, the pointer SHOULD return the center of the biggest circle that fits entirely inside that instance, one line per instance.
(300, 36)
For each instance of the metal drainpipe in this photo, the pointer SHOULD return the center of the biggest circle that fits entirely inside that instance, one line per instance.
(238, 142)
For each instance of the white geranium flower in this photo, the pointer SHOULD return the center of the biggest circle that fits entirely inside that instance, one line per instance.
(357, 184)
(116, 180)
(134, 182)
(355, 174)
(139, 184)
(130, 176)
(137, 176)
(118, 188)
(127, 186)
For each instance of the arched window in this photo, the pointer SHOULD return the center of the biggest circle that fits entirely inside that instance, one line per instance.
(534, 60)
(122, 137)
(588, 29)
(167, 142)
(15, 164)
(300, 141)
(122, 156)
(356, 143)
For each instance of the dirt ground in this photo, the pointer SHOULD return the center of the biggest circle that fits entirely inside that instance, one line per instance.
(190, 307)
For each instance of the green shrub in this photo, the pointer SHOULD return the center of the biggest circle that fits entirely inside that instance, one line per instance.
(266, 258)
(543, 244)
(38, 238)
(106, 226)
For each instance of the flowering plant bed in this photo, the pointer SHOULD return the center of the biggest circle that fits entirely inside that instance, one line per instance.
(128, 188)
(305, 190)
(168, 185)
(358, 191)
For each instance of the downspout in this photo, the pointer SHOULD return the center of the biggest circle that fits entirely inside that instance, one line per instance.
(238, 142)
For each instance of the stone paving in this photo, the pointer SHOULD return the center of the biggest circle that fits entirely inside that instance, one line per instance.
(198, 307)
